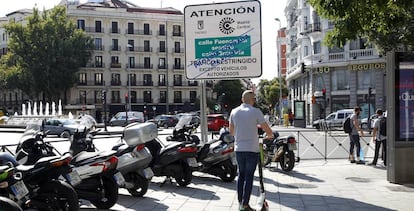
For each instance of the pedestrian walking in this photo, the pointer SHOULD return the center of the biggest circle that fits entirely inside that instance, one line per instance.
(379, 137)
(243, 123)
(354, 137)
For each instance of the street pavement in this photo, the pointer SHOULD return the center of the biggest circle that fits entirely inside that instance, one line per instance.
(318, 184)
(333, 184)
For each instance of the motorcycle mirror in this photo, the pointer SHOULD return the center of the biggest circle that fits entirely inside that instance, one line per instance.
(228, 138)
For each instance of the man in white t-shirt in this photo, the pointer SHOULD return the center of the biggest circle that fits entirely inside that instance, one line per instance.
(379, 139)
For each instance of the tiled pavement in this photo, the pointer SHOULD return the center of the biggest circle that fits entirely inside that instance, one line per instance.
(312, 185)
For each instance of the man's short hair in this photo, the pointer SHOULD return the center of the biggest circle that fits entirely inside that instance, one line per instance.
(356, 109)
(379, 111)
(247, 94)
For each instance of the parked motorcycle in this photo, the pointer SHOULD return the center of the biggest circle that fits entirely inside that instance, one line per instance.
(174, 160)
(215, 157)
(134, 157)
(13, 191)
(99, 178)
(40, 172)
(280, 149)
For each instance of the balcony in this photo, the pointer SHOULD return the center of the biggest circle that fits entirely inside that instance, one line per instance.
(178, 67)
(116, 65)
(178, 50)
(178, 34)
(99, 48)
(138, 49)
(115, 30)
(96, 65)
(115, 48)
(94, 30)
(91, 83)
(116, 83)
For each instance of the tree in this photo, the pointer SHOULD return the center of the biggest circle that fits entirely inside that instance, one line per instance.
(232, 90)
(45, 54)
(386, 23)
(269, 92)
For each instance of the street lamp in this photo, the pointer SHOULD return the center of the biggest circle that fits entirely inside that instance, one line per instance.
(311, 69)
(279, 69)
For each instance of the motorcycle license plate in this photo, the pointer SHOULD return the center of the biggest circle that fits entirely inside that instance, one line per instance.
(19, 189)
(292, 147)
(148, 173)
(192, 162)
(73, 178)
(120, 180)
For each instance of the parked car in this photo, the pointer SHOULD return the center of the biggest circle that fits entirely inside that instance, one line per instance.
(364, 121)
(121, 118)
(335, 119)
(164, 120)
(216, 121)
(61, 127)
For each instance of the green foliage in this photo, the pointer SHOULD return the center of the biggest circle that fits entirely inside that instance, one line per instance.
(386, 23)
(269, 92)
(45, 54)
(232, 90)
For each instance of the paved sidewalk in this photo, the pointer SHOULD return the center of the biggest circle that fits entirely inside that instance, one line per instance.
(312, 185)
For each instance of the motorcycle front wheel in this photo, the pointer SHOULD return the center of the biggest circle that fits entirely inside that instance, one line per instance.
(8, 204)
(287, 160)
(56, 195)
(140, 184)
(184, 177)
(110, 197)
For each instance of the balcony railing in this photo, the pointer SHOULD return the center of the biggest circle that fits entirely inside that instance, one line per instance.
(91, 83)
(138, 49)
(94, 30)
(99, 47)
(96, 65)
(178, 67)
(116, 83)
(178, 34)
(116, 65)
(115, 48)
(115, 30)
(178, 50)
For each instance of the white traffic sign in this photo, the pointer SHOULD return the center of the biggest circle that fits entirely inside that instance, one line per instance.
(223, 40)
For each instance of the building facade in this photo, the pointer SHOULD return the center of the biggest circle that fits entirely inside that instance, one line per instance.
(332, 78)
(137, 63)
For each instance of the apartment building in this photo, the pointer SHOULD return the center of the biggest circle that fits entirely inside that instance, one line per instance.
(333, 78)
(137, 63)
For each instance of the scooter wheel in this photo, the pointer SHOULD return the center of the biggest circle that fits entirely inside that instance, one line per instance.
(184, 177)
(56, 195)
(8, 204)
(229, 171)
(140, 184)
(110, 190)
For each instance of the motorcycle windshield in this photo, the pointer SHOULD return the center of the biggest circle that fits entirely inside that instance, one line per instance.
(184, 121)
(32, 128)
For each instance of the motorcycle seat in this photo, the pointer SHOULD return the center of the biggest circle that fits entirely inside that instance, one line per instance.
(169, 146)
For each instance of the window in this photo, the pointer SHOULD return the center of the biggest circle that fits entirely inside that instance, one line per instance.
(147, 97)
(340, 80)
(146, 29)
(83, 79)
(130, 45)
(98, 96)
(98, 26)
(162, 46)
(193, 96)
(133, 78)
(115, 45)
(161, 63)
(99, 79)
(81, 24)
(366, 79)
(114, 27)
(98, 61)
(130, 28)
(116, 79)
(177, 47)
(131, 62)
(176, 30)
(146, 45)
(317, 47)
(133, 96)
(177, 97)
(177, 63)
(82, 97)
(163, 96)
(115, 97)
(114, 60)
(162, 29)
(148, 80)
(178, 80)
(147, 62)
(98, 44)
(306, 50)
(161, 80)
